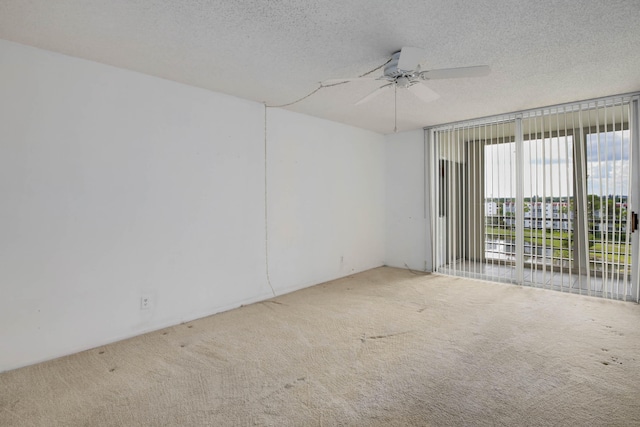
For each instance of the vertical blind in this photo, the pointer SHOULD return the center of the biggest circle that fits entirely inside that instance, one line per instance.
(539, 198)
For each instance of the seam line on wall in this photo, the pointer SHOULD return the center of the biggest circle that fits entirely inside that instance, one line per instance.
(266, 205)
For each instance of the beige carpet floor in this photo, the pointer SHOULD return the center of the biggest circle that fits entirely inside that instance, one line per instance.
(381, 348)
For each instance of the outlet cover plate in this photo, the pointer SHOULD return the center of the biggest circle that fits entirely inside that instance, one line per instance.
(146, 302)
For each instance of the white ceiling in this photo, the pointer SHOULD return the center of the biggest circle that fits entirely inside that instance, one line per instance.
(541, 52)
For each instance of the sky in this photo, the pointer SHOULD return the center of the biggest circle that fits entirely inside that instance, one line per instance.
(547, 166)
(608, 163)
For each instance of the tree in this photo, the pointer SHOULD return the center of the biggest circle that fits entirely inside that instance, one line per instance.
(594, 203)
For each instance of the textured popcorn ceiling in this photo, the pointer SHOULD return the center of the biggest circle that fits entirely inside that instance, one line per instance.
(541, 52)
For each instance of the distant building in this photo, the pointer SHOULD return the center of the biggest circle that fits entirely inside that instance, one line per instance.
(539, 215)
(490, 209)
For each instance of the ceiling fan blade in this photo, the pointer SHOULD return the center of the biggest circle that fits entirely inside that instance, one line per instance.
(456, 73)
(410, 58)
(374, 94)
(423, 93)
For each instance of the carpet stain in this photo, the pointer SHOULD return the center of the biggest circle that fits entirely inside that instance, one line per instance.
(364, 337)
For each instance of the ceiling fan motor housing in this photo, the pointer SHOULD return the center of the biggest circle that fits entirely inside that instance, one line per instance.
(402, 78)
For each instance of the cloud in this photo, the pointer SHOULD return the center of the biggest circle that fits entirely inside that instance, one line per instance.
(611, 177)
(547, 166)
(608, 146)
(548, 151)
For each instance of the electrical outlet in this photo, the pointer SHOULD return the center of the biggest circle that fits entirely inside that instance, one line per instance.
(146, 302)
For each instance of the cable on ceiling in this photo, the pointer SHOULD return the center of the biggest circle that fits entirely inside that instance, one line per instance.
(322, 86)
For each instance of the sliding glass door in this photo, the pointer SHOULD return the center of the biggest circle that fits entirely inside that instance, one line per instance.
(540, 198)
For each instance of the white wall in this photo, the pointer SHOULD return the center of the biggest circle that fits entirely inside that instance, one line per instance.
(406, 224)
(115, 184)
(326, 199)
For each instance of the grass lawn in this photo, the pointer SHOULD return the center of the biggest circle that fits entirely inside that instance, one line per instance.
(560, 241)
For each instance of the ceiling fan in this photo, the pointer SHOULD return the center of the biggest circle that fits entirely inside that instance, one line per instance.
(404, 71)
